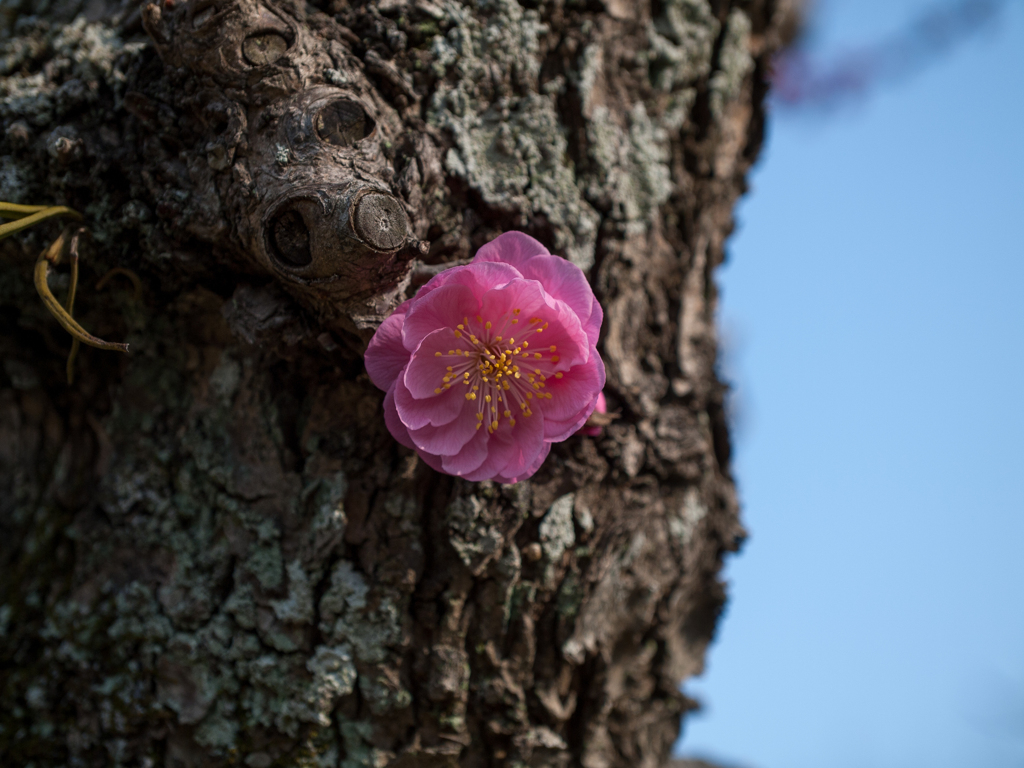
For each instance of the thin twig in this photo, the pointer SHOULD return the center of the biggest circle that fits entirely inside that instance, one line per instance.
(27, 221)
(15, 211)
(52, 256)
(69, 304)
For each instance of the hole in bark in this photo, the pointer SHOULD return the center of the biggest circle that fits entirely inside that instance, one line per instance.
(380, 221)
(343, 123)
(264, 48)
(289, 240)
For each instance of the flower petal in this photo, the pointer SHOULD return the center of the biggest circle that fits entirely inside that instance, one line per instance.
(442, 308)
(564, 330)
(513, 248)
(394, 424)
(435, 411)
(575, 391)
(557, 431)
(472, 455)
(565, 281)
(478, 277)
(447, 439)
(593, 324)
(511, 449)
(427, 368)
(531, 470)
(386, 356)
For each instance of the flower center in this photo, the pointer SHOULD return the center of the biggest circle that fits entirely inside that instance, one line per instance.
(503, 375)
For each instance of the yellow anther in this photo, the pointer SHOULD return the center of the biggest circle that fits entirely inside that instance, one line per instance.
(537, 355)
(507, 414)
(526, 344)
(494, 424)
(461, 327)
(537, 371)
(516, 311)
(479, 425)
(527, 413)
(437, 390)
(514, 322)
(437, 354)
(458, 334)
(487, 398)
(505, 385)
(558, 375)
(529, 395)
(479, 319)
(479, 417)
(553, 348)
(471, 396)
(487, 325)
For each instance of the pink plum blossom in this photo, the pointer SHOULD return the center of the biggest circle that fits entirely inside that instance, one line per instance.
(601, 407)
(492, 362)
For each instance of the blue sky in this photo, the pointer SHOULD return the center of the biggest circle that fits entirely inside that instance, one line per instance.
(873, 309)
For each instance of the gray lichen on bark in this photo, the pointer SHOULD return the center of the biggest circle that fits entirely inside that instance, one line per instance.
(213, 551)
(508, 137)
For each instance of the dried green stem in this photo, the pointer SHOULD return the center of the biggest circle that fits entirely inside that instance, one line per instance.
(28, 218)
(47, 258)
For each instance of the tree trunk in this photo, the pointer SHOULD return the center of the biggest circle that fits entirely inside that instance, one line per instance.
(213, 552)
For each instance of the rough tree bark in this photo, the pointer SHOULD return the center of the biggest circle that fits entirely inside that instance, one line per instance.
(213, 553)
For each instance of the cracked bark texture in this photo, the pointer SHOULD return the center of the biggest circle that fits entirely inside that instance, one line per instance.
(213, 553)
